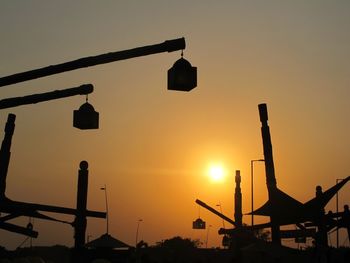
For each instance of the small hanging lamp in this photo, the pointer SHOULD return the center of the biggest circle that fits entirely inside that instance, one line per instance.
(182, 76)
(198, 223)
(86, 117)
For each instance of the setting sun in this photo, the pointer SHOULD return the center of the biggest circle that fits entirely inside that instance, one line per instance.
(216, 173)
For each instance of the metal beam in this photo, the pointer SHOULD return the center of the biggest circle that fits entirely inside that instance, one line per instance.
(27, 209)
(52, 95)
(216, 212)
(18, 229)
(166, 46)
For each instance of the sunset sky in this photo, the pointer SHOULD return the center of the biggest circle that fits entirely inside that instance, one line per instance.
(154, 147)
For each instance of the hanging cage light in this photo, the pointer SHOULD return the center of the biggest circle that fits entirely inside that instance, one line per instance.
(86, 117)
(182, 76)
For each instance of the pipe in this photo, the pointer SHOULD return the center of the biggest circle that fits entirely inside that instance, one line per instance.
(166, 46)
(52, 95)
(216, 212)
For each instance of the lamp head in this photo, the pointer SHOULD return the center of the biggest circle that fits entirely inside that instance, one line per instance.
(198, 224)
(86, 117)
(182, 76)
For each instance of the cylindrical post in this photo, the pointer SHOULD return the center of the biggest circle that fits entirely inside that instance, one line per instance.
(238, 199)
(106, 204)
(270, 172)
(207, 239)
(5, 152)
(137, 231)
(252, 189)
(223, 221)
(337, 208)
(80, 219)
(252, 185)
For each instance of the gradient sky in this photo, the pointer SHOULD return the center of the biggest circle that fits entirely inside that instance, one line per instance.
(154, 146)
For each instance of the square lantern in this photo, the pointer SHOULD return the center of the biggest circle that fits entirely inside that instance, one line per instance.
(182, 76)
(86, 117)
(198, 224)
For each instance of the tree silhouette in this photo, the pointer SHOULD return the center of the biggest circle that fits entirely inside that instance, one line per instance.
(178, 244)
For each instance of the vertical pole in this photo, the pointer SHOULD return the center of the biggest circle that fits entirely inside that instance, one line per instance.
(238, 199)
(31, 221)
(5, 152)
(137, 231)
(252, 184)
(80, 219)
(270, 173)
(321, 235)
(206, 241)
(252, 189)
(106, 203)
(223, 221)
(337, 208)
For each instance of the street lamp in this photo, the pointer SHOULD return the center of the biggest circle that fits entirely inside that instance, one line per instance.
(252, 184)
(182, 76)
(206, 241)
(337, 208)
(223, 221)
(137, 231)
(106, 202)
(86, 117)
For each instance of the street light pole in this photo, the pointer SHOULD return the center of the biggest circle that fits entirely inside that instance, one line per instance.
(223, 222)
(337, 208)
(206, 241)
(252, 184)
(106, 202)
(137, 231)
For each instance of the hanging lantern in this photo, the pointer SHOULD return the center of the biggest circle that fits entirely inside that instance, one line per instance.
(86, 117)
(182, 76)
(198, 224)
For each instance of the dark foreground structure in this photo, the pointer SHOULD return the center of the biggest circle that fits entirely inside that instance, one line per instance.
(262, 252)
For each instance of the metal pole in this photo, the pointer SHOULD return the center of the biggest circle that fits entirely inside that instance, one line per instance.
(42, 97)
(270, 174)
(337, 208)
(80, 221)
(206, 242)
(252, 185)
(31, 220)
(238, 200)
(137, 231)
(106, 203)
(252, 189)
(223, 221)
(166, 46)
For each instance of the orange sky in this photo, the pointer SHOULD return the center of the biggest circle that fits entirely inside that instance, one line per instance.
(154, 146)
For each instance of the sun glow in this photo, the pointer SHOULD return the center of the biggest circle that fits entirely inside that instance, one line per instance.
(216, 173)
